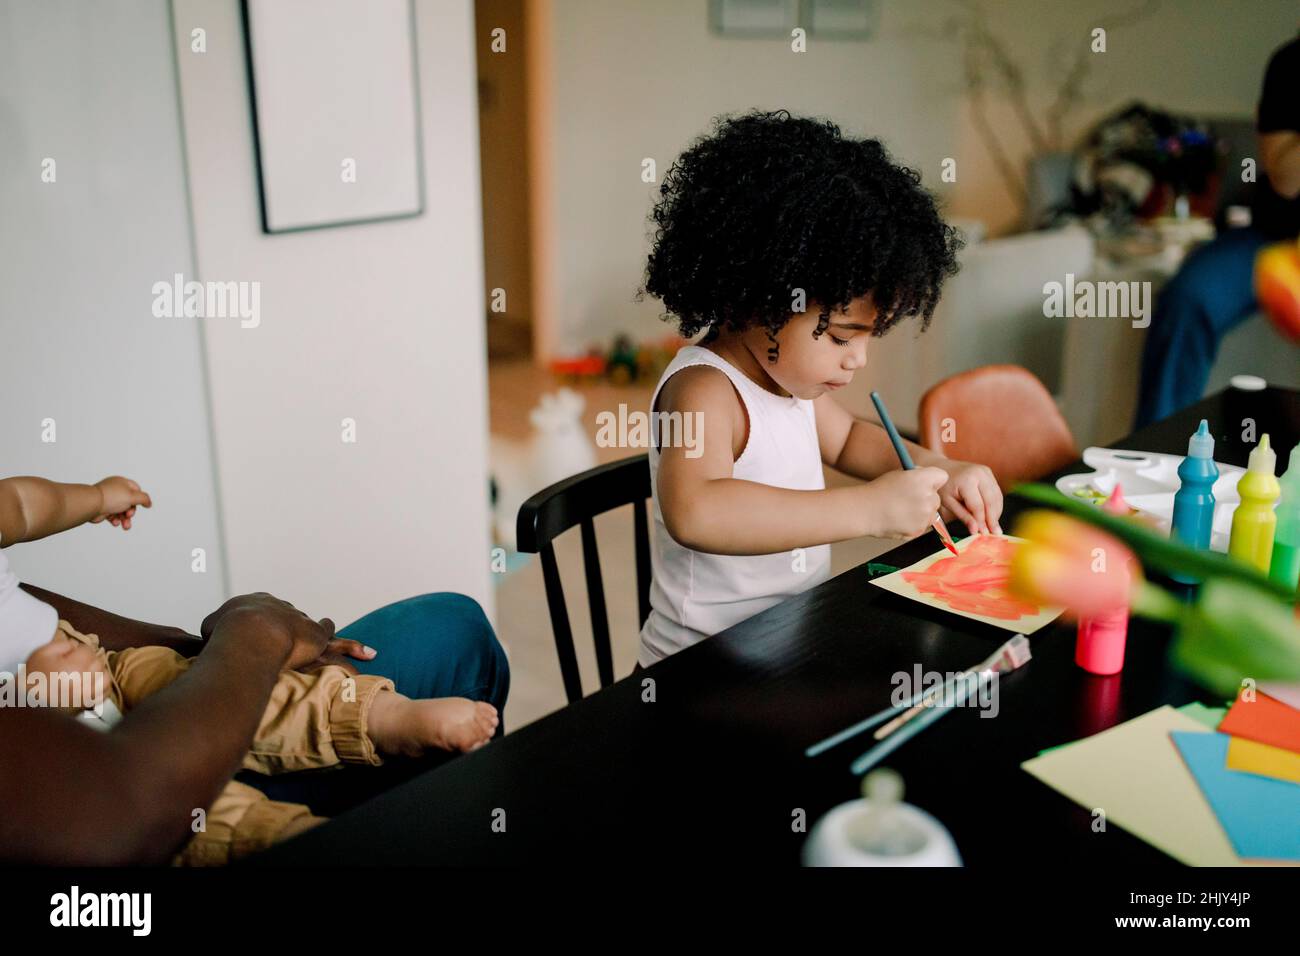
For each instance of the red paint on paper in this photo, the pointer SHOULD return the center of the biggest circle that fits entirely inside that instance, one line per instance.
(975, 581)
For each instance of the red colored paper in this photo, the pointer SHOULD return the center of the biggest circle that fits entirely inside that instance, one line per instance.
(1264, 719)
(975, 580)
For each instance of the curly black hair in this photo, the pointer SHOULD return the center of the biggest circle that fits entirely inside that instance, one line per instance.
(769, 203)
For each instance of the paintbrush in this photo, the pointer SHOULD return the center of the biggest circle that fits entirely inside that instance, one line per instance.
(1016, 648)
(1013, 655)
(1008, 657)
(906, 459)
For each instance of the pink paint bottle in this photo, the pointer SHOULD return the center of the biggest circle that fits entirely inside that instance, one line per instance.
(1099, 648)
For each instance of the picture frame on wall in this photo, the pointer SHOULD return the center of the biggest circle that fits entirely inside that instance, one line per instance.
(336, 111)
(753, 18)
(842, 19)
(824, 19)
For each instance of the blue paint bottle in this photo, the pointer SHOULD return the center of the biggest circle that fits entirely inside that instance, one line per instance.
(1194, 502)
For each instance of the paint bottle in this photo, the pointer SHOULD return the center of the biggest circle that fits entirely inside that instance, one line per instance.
(1099, 647)
(1254, 522)
(1286, 543)
(1194, 502)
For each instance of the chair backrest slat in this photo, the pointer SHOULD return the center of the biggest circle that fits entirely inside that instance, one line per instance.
(596, 604)
(642, 533)
(560, 625)
(577, 501)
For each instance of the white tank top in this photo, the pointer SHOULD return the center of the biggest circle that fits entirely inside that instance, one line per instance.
(25, 622)
(694, 595)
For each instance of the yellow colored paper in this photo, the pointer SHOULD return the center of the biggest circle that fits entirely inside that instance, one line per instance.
(1134, 774)
(1250, 756)
(983, 558)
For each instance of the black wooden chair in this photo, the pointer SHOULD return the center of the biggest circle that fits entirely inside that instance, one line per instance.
(576, 501)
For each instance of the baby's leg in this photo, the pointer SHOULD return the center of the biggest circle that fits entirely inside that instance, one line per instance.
(243, 821)
(311, 720)
(330, 717)
(401, 726)
(141, 672)
(317, 720)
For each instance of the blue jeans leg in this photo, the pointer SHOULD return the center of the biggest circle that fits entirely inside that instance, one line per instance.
(435, 645)
(1212, 292)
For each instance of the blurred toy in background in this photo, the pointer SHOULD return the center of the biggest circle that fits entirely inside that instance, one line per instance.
(582, 368)
(559, 446)
(624, 363)
(621, 364)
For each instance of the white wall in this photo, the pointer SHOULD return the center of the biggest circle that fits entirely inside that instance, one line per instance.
(93, 87)
(381, 323)
(642, 78)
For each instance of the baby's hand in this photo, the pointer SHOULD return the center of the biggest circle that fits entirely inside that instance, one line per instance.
(69, 670)
(972, 496)
(120, 498)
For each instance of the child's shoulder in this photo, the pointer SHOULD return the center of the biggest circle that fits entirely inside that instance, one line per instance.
(697, 388)
(707, 391)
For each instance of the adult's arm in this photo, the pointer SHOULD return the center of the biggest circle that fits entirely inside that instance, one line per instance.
(1276, 120)
(1280, 157)
(114, 631)
(72, 795)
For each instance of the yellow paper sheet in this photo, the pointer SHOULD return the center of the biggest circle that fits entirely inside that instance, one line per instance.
(1250, 756)
(996, 594)
(1134, 773)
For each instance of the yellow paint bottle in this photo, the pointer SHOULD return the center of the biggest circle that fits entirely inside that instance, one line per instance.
(1254, 522)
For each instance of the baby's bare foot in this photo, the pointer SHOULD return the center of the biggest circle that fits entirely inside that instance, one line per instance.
(404, 727)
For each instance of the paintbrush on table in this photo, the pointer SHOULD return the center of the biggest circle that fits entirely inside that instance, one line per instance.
(1007, 657)
(1011, 655)
(906, 459)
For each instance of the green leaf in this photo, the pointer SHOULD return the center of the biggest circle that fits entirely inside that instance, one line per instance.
(1233, 632)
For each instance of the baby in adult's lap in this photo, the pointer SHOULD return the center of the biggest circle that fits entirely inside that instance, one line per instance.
(322, 719)
(315, 720)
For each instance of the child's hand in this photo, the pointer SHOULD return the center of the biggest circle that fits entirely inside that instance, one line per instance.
(905, 502)
(972, 496)
(81, 663)
(120, 498)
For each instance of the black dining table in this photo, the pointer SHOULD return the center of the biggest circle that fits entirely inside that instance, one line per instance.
(710, 766)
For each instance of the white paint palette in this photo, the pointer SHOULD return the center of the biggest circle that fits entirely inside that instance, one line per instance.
(1149, 481)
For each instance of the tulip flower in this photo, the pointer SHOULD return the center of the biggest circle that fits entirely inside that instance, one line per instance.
(1067, 563)
(1277, 286)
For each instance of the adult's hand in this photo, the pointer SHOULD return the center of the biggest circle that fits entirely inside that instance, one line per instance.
(337, 653)
(308, 639)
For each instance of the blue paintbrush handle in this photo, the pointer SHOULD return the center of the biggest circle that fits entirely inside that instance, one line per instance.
(888, 422)
(895, 740)
(875, 720)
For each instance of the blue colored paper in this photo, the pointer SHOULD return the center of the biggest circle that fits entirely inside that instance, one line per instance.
(1260, 815)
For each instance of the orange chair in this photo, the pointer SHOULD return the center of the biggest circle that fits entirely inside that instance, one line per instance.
(1001, 416)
